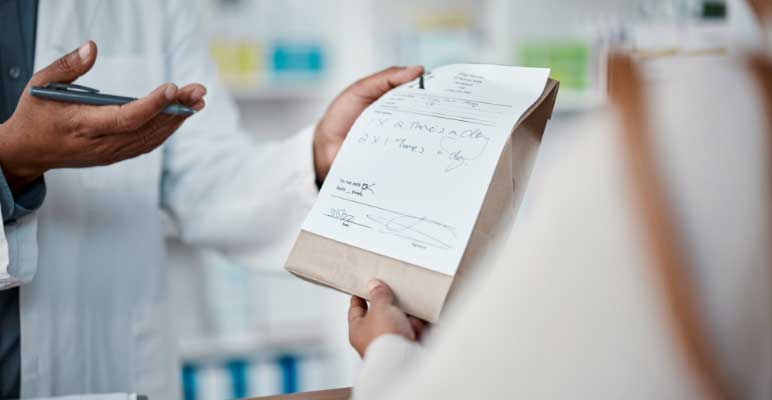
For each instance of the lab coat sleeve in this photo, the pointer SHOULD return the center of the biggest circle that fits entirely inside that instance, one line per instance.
(387, 359)
(18, 239)
(18, 252)
(224, 190)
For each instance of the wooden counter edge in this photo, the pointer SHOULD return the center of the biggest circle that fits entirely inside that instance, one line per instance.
(333, 394)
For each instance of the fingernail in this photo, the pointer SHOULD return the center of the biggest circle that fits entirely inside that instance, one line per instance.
(197, 94)
(84, 51)
(411, 72)
(170, 91)
(414, 69)
(373, 284)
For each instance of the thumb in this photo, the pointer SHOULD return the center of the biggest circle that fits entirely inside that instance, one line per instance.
(69, 67)
(376, 85)
(380, 294)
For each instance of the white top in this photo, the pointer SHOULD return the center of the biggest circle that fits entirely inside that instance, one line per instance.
(94, 301)
(573, 307)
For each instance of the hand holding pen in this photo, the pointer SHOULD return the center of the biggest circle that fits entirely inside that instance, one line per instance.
(43, 135)
(71, 93)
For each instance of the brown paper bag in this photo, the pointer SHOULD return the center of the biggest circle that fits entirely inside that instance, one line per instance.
(419, 291)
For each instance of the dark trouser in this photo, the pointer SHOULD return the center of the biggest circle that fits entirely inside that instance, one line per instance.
(10, 340)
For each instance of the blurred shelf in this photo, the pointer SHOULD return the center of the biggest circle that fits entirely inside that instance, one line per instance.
(217, 349)
(571, 101)
(279, 92)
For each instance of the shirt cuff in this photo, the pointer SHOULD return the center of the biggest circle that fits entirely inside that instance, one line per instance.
(26, 203)
(19, 253)
(386, 359)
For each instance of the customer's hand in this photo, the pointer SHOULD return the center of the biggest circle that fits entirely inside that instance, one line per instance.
(345, 109)
(365, 324)
(43, 134)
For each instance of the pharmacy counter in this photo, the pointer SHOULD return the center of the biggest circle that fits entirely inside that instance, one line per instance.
(334, 394)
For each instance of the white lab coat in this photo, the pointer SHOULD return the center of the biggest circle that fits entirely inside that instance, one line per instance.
(91, 262)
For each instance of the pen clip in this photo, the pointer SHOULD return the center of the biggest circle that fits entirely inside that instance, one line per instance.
(70, 87)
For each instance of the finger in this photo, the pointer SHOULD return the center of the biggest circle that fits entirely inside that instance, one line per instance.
(131, 116)
(418, 325)
(199, 105)
(357, 309)
(191, 94)
(376, 85)
(153, 134)
(159, 137)
(380, 294)
(69, 67)
(146, 142)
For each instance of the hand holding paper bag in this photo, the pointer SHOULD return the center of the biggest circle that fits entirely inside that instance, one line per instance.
(411, 177)
(382, 317)
(347, 107)
(425, 182)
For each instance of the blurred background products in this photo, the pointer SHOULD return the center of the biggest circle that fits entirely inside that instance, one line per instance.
(245, 332)
(680, 27)
(267, 43)
(431, 33)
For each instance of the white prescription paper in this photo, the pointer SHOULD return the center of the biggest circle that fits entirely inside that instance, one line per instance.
(412, 174)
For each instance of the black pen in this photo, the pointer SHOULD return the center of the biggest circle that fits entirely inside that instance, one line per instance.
(85, 95)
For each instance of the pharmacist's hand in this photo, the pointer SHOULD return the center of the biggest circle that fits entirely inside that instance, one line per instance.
(365, 324)
(44, 134)
(345, 109)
